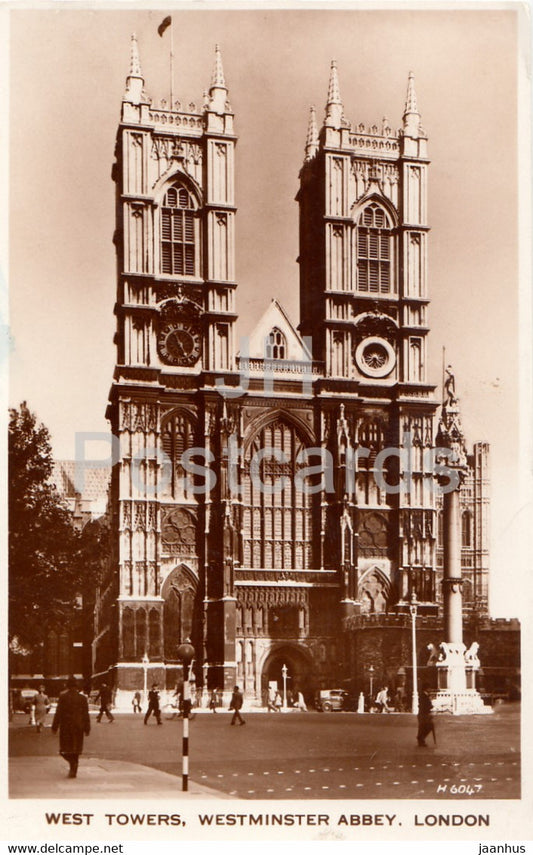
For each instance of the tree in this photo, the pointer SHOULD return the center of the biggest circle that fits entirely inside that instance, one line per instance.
(44, 573)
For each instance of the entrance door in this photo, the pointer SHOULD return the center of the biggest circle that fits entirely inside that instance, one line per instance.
(299, 673)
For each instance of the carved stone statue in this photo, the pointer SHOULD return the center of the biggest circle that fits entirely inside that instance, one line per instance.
(433, 654)
(471, 657)
(450, 399)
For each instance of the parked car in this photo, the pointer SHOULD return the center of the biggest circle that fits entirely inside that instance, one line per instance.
(327, 700)
(22, 701)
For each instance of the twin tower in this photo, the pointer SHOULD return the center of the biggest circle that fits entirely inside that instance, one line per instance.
(255, 504)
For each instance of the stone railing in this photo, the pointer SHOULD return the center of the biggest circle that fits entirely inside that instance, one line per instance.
(280, 366)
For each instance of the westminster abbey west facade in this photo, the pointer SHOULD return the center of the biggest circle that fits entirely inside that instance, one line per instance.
(256, 576)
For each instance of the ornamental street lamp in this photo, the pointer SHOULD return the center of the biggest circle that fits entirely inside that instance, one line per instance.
(413, 608)
(371, 677)
(284, 675)
(145, 662)
(186, 654)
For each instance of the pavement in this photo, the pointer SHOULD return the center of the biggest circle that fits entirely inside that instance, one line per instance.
(302, 755)
(46, 777)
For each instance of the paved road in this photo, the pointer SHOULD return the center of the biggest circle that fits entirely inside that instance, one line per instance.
(314, 755)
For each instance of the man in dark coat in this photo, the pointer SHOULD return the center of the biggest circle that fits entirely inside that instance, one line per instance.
(153, 705)
(425, 719)
(105, 701)
(235, 705)
(72, 720)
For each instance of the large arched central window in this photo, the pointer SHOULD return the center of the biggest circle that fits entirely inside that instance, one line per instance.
(277, 525)
(179, 233)
(374, 251)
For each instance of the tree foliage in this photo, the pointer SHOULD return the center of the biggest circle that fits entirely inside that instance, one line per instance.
(44, 568)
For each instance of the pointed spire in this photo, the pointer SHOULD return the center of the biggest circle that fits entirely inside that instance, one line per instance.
(411, 116)
(334, 109)
(218, 72)
(134, 81)
(311, 145)
(218, 91)
(135, 63)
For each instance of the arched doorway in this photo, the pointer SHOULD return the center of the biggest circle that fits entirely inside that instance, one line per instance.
(300, 676)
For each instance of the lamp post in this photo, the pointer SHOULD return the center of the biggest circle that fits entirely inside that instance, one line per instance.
(284, 675)
(145, 663)
(186, 654)
(371, 676)
(413, 608)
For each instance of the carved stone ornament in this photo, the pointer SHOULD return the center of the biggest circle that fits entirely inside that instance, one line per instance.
(178, 531)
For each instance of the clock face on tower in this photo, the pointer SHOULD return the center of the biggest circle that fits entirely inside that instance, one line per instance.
(179, 343)
(375, 357)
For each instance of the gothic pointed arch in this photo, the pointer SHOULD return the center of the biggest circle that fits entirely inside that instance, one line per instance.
(180, 235)
(376, 199)
(375, 245)
(275, 344)
(181, 610)
(274, 415)
(178, 434)
(277, 506)
(374, 591)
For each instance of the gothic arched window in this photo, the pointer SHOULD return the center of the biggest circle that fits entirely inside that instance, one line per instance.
(466, 526)
(177, 435)
(179, 233)
(277, 524)
(275, 345)
(374, 251)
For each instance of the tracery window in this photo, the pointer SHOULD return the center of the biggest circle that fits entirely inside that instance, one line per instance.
(374, 251)
(275, 345)
(179, 233)
(177, 435)
(277, 526)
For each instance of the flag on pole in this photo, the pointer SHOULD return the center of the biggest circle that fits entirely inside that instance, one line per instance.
(165, 23)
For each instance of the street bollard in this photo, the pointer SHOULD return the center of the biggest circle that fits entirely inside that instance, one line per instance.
(186, 654)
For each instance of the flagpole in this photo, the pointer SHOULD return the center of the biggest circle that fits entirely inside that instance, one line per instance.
(171, 64)
(443, 369)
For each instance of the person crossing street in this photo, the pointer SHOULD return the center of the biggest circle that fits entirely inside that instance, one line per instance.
(153, 705)
(104, 695)
(236, 706)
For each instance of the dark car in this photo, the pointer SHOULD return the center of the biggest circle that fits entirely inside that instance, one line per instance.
(328, 700)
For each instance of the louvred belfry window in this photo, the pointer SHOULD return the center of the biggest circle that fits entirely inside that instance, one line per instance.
(374, 256)
(179, 239)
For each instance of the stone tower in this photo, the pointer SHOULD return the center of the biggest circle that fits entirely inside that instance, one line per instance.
(175, 311)
(364, 305)
(259, 498)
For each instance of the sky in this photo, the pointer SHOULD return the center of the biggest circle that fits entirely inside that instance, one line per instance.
(67, 76)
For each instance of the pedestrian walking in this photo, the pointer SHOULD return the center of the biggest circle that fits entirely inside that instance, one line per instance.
(41, 705)
(153, 705)
(278, 703)
(425, 718)
(72, 720)
(137, 702)
(236, 706)
(213, 700)
(382, 700)
(300, 703)
(271, 706)
(31, 722)
(105, 701)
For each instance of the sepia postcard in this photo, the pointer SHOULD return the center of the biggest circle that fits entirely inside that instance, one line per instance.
(267, 392)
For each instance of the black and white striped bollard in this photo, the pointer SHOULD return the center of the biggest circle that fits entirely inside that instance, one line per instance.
(186, 654)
